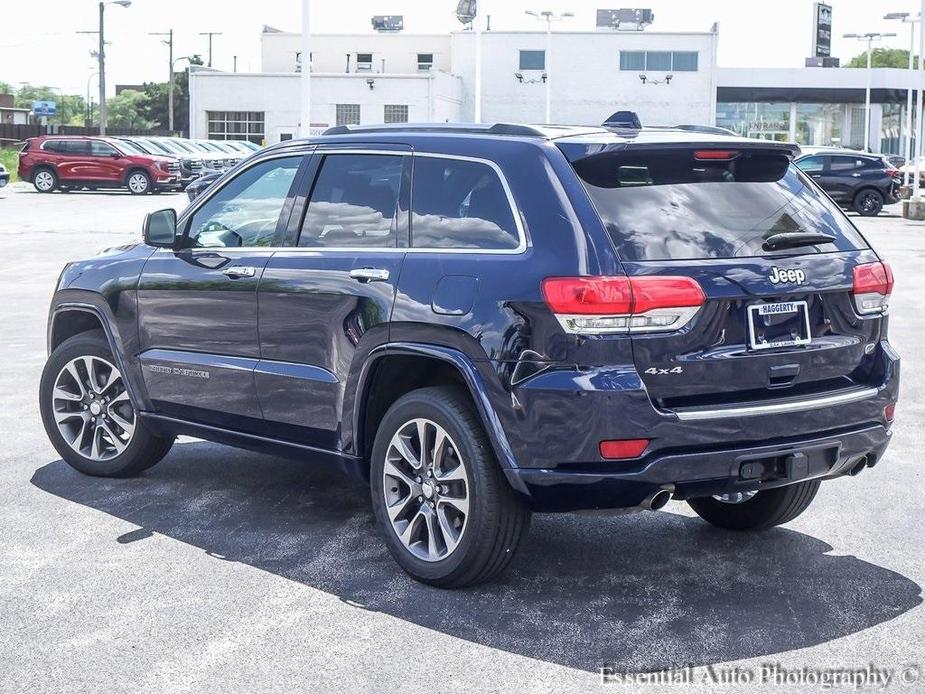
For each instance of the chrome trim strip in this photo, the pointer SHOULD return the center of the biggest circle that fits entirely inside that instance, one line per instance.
(778, 408)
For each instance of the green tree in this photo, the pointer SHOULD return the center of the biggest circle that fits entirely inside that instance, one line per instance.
(126, 110)
(881, 57)
(71, 109)
(156, 110)
(5, 87)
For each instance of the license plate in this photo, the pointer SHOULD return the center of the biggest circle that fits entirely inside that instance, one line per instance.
(781, 324)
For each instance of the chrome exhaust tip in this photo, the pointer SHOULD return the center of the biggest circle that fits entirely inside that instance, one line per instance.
(658, 500)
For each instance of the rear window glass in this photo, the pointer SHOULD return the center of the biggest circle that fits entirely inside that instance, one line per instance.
(670, 205)
(460, 204)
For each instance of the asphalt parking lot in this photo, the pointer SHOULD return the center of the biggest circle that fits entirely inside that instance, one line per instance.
(221, 570)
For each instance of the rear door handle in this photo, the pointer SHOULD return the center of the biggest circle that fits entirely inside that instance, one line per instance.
(237, 271)
(370, 274)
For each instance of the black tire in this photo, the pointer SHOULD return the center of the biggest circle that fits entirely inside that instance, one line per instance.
(764, 510)
(497, 519)
(45, 179)
(868, 202)
(138, 182)
(144, 448)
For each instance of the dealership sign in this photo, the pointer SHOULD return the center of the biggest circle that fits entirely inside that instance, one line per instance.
(822, 30)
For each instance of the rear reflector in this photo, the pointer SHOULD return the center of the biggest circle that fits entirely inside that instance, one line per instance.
(715, 154)
(889, 412)
(873, 284)
(626, 448)
(591, 305)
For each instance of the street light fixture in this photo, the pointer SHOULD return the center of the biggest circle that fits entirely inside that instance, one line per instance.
(907, 18)
(869, 37)
(101, 57)
(549, 17)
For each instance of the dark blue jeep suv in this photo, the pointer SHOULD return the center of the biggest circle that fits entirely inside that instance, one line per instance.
(484, 321)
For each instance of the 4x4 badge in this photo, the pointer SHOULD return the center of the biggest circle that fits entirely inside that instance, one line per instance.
(779, 276)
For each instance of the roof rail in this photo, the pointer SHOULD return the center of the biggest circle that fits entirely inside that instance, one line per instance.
(512, 129)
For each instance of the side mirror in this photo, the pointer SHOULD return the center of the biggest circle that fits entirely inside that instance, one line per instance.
(160, 228)
(116, 155)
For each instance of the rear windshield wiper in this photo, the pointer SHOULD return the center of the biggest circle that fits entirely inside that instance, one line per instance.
(792, 239)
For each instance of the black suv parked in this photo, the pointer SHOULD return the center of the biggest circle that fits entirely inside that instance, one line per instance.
(861, 182)
(488, 320)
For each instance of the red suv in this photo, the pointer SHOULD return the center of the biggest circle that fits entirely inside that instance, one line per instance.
(67, 162)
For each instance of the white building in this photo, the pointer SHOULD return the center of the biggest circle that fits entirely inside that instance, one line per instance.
(592, 73)
(666, 78)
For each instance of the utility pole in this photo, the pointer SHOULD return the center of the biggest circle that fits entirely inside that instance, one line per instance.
(305, 77)
(101, 57)
(169, 43)
(102, 70)
(210, 34)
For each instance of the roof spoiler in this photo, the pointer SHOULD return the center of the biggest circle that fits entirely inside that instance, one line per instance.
(576, 151)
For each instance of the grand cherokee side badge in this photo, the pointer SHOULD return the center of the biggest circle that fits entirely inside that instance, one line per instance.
(779, 276)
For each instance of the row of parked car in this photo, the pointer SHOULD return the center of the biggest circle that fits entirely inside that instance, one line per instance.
(139, 164)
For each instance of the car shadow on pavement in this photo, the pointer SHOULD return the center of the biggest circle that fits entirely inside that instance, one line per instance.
(638, 593)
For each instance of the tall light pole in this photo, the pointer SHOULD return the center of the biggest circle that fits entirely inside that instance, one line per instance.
(169, 43)
(101, 57)
(478, 66)
(869, 37)
(305, 78)
(90, 103)
(549, 17)
(907, 18)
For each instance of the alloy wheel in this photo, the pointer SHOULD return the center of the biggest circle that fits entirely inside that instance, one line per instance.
(426, 489)
(44, 181)
(138, 183)
(92, 409)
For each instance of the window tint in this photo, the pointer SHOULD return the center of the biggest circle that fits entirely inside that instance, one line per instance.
(812, 165)
(245, 212)
(533, 60)
(353, 202)
(837, 164)
(669, 206)
(101, 149)
(460, 204)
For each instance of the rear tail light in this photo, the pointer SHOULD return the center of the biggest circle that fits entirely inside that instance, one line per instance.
(626, 448)
(595, 305)
(873, 284)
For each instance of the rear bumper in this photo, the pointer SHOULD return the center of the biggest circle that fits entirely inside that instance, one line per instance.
(703, 473)
(563, 415)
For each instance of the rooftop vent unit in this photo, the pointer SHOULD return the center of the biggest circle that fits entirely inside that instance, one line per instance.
(388, 23)
(624, 19)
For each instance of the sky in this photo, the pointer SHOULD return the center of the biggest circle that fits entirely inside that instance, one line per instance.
(39, 43)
